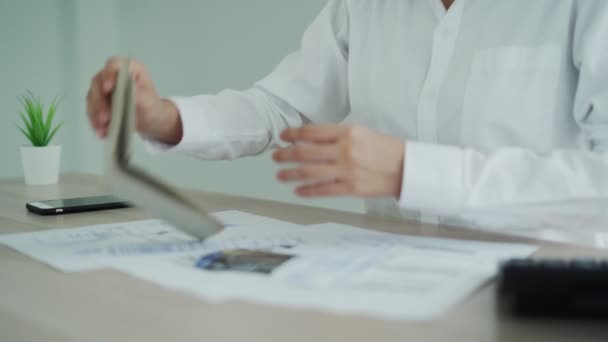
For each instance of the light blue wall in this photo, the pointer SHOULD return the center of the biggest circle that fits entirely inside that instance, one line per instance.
(189, 46)
(31, 55)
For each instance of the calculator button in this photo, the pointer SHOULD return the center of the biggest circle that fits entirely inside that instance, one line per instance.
(521, 263)
(585, 264)
(554, 264)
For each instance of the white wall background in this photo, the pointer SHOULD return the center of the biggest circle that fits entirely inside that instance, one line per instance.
(32, 46)
(55, 46)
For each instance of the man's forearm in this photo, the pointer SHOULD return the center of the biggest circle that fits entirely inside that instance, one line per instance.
(227, 125)
(170, 130)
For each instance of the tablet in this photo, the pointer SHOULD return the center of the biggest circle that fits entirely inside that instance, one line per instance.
(136, 185)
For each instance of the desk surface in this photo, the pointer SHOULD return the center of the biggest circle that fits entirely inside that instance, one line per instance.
(40, 304)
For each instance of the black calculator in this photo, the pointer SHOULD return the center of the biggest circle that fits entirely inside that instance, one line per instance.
(555, 287)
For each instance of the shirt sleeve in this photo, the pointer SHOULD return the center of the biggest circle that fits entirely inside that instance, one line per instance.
(447, 180)
(308, 85)
(230, 124)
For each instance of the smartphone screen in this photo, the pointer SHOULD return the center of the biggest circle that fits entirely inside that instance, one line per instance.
(75, 205)
(80, 202)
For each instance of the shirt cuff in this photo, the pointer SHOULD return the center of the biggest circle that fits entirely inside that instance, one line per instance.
(433, 178)
(191, 115)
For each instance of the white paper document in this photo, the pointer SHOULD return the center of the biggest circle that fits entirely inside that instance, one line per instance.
(92, 247)
(331, 267)
(341, 269)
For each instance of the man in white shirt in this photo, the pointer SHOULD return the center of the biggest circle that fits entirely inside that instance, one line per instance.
(417, 105)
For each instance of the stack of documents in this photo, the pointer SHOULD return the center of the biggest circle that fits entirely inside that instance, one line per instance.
(331, 267)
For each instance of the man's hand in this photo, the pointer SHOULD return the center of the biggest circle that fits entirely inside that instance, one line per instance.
(342, 161)
(156, 118)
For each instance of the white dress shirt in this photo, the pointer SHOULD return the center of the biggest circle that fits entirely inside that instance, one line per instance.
(500, 102)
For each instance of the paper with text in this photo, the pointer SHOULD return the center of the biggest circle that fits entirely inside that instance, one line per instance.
(87, 248)
(343, 269)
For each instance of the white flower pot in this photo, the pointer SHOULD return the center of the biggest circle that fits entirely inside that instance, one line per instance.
(41, 164)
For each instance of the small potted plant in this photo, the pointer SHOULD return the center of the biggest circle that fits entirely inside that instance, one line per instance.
(41, 160)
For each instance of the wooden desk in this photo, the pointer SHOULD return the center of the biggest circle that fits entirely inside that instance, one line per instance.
(40, 304)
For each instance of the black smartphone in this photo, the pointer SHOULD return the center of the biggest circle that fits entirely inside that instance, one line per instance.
(76, 205)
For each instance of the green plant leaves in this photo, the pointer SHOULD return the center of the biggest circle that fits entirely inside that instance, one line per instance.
(52, 134)
(25, 133)
(25, 122)
(38, 130)
(50, 115)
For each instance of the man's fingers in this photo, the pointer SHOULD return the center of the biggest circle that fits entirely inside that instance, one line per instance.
(139, 73)
(311, 172)
(102, 132)
(108, 74)
(98, 106)
(99, 97)
(332, 189)
(313, 133)
(304, 153)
